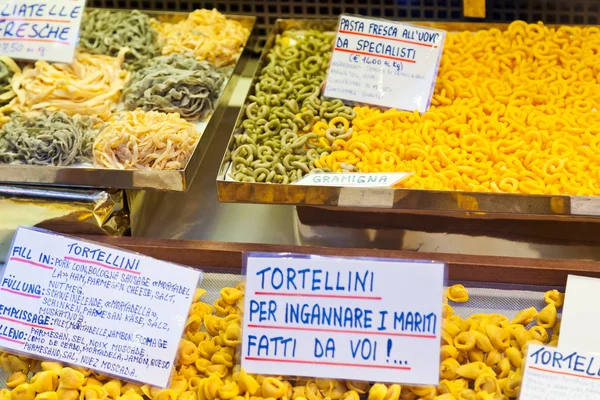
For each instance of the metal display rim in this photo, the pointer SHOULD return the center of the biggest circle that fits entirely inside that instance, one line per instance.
(417, 201)
(172, 180)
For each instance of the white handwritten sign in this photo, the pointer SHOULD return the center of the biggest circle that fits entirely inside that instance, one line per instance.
(384, 63)
(363, 319)
(557, 374)
(116, 312)
(354, 179)
(577, 330)
(43, 30)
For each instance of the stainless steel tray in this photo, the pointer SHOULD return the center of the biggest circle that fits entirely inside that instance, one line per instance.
(470, 204)
(175, 180)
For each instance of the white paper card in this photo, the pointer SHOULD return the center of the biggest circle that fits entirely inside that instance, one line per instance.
(113, 311)
(384, 63)
(356, 319)
(580, 317)
(42, 30)
(557, 374)
(354, 179)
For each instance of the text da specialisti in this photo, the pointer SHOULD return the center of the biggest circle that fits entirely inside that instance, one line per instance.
(38, 20)
(383, 39)
(368, 325)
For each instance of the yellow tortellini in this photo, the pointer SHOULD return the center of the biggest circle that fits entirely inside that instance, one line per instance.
(457, 293)
(481, 359)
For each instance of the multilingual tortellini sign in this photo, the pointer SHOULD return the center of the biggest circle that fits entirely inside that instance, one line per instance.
(559, 374)
(345, 318)
(98, 307)
(384, 63)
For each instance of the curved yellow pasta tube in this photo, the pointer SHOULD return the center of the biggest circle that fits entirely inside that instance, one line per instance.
(449, 369)
(472, 370)
(555, 298)
(457, 293)
(524, 317)
(547, 316)
(15, 379)
(487, 382)
(51, 366)
(465, 341)
(377, 392)
(71, 379)
(47, 396)
(44, 381)
(67, 394)
(11, 363)
(23, 392)
(514, 356)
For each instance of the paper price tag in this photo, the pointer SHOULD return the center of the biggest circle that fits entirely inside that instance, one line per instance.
(110, 310)
(354, 179)
(47, 30)
(557, 374)
(577, 329)
(384, 63)
(358, 319)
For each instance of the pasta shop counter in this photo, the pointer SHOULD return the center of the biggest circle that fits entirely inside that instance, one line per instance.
(510, 131)
(517, 301)
(137, 107)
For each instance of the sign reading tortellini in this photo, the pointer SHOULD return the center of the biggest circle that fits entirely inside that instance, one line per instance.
(559, 374)
(44, 30)
(384, 63)
(116, 312)
(344, 318)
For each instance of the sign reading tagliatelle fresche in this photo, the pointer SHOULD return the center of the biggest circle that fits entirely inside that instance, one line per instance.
(334, 317)
(43, 30)
(384, 63)
(116, 312)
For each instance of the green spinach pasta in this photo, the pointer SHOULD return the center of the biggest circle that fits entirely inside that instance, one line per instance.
(107, 32)
(175, 83)
(288, 125)
(47, 139)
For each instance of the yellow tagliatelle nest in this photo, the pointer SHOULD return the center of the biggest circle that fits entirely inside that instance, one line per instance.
(206, 33)
(146, 140)
(513, 111)
(91, 85)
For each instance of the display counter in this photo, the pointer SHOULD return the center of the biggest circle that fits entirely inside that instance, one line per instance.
(501, 289)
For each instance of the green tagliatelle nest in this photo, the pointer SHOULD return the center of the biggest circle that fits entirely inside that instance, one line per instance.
(177, 83)
(47, 139)
(107, 32)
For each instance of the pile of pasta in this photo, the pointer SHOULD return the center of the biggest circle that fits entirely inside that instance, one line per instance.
(513, 111)
(146, 140)
(117, 74)
(288, 125)
(90, 86)
(207, 34)
(482, 359)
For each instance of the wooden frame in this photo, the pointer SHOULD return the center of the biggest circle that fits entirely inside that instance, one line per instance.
(473, 268)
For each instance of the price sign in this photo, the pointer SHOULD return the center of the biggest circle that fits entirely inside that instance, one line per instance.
(74, 301)
(358, 319)
(384, 63)
(43, 30)
(558, 374)
(577, 329)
